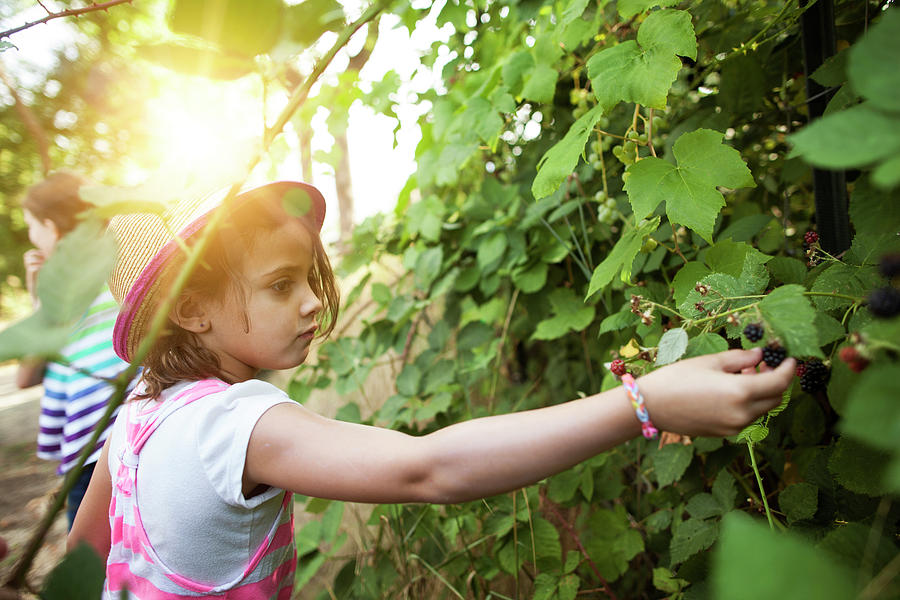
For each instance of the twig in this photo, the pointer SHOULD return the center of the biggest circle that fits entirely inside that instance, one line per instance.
(71, 12)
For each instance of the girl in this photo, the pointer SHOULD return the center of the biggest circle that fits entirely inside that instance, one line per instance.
(203, 459)
(75, 389)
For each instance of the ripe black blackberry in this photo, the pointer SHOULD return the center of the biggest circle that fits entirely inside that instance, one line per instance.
(889, 265)
(815, 378)
(884, 302)
(753, 332)
(774, 355)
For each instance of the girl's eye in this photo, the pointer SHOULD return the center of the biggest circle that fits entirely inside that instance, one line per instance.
(282, 285)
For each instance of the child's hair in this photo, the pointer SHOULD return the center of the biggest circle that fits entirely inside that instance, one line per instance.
(141, 278)
(56, 198)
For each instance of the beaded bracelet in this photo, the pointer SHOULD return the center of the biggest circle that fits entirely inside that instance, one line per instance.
(637, 401)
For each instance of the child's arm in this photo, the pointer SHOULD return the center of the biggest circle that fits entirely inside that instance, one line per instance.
(295, 449)
(92, 521)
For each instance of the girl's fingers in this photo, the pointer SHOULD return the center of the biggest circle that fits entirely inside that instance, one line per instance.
(735, 361)
(772, 382)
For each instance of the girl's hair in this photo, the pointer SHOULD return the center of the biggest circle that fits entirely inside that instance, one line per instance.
(56, 198)
(177, 355)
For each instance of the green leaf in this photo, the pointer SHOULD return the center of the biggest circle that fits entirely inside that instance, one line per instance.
(858, 467)
(4, 45)
(729, 257)
(428, 266)
(870, 74)
(751, 562)
(236, 26)
(787, 270)
(703, 505)
(799, 501)
(409, 380)
(872, 210)
(829, 328)
(642, 71)
(307, 21)
(691, 537)
(541, 84)
(690, 188)
(618, 321)
(686, 278)
(670, 462)
(621, 256)
(846, 280)
(753, 433)
(611, 542)
(560, 160)
(705, 343)
(570, 314)
(474, 334)
(672, 346)
(490, 251)
(530, 279)
(724, 490)
(190, 60)
(34, 336)
(573, 10)
(79, 576)
(791, 317)
(872, 413)
(481, 117)
(665, 581)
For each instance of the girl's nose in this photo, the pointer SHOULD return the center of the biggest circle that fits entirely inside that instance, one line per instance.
(311, 304)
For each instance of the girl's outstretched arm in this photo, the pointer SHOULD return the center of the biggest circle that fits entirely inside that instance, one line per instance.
(92, 521)
(295, 449)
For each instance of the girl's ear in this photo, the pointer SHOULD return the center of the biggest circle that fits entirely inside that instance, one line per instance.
(190, 314)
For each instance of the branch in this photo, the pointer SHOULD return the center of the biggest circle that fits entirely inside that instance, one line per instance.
(72, 12)
(29, 120)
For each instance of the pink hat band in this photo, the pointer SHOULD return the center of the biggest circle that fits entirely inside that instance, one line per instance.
(146, 247)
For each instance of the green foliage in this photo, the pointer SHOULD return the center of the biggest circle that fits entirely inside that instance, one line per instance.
(79, 576)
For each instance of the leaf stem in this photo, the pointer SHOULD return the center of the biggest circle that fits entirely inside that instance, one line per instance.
(762, 491)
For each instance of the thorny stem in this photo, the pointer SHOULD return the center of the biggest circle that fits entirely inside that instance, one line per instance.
(72, 12)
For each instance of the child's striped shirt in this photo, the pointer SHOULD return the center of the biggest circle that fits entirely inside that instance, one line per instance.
(74, 400)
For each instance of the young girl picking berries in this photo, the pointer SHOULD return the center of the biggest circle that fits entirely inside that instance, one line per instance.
(202, 460)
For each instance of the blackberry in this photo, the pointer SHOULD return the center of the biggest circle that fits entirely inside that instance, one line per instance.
(889, 265)
(884, 302)
(801, 368)
(754, 332)
(774, 355)
(810, 237)
(815, 378)
(618, 367)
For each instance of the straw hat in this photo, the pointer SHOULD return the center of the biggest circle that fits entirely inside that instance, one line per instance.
(146, 247)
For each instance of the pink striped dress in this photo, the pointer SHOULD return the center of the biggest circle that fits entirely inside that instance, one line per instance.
(134, 564)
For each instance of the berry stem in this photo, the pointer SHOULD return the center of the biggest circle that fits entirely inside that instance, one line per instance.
(762, 491)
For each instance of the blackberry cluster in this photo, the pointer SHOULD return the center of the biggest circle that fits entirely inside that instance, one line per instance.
(810, 238)
(774, 355)
(815, 377)
(884, 302)
(754, 332)
(618, 367)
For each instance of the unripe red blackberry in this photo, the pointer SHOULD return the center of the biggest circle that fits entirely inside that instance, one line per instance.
(801, 368)
(884, 302)
(810, 237)
(753, 332)
(774, 355)
(618, 367)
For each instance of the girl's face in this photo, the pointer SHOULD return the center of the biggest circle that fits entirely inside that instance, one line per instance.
(42, 233)
(275, 327)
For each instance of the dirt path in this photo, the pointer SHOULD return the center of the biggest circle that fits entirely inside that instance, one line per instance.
(27, 482)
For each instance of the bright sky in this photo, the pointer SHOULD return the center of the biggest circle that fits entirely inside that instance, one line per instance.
(378, 170)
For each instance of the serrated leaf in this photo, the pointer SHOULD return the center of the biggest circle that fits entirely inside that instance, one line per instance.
(873, 211)
(799, 501)
(611, 542)
(723, 489)
(540, 84)
(687, 277)
(560, 160)
(787, 270)
(753, 433)
(703, 505)
(793, 568)
(705, 343)
(618, 321)
(629, 8)
(844, 280)
(791, 318)
(621, 256)
(858, 467)
(670, 462)
(672, 346)
(665, 581)
(642, 71)
(691, 537)
(690, 188)
(829, 328)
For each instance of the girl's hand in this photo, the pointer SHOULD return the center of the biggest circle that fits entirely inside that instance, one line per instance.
(714, 395)
(34, 260)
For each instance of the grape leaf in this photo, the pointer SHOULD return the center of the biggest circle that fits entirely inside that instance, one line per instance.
(791, 317)
(560, 160)
(642, 71)
(570, 314)
(690, 188)
(621, 256)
